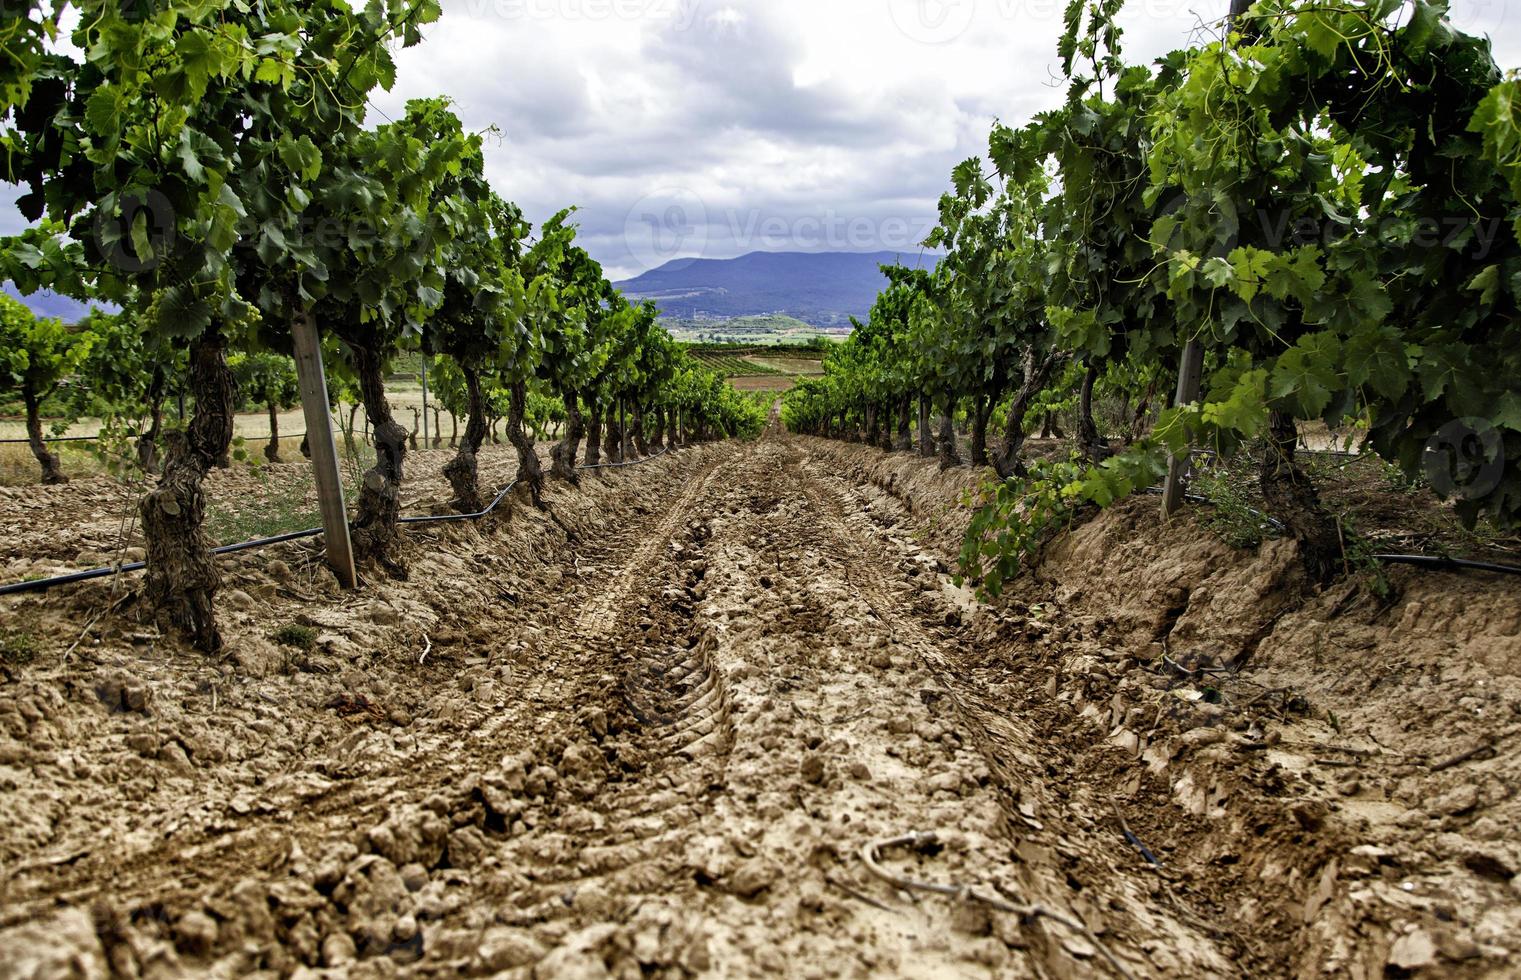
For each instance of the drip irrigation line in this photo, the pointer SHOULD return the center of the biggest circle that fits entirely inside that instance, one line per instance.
(96, 438)
(1195, 498)
(1435, 561)
(41, 585)
(21, 442)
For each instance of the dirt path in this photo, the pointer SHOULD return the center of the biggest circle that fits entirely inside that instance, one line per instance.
(657, 748)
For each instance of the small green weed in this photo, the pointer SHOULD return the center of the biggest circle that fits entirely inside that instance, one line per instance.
(17, 647)
(295, 635)
(1234, 519)
(1358, 552)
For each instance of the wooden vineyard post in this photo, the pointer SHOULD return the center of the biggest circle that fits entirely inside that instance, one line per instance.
(1190, 376)
(1191, 367)
(425, 400)
(319, 430)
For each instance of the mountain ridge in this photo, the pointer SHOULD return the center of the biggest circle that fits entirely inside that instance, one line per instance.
(47, 305)
(820, 288)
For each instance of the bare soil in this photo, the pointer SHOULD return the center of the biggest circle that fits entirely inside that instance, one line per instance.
(652, 733)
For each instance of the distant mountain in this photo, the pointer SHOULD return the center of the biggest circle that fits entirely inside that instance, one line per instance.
(821, 288)
(46, 304)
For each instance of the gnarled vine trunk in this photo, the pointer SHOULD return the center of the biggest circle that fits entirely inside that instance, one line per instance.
(1095, 447)
(147, 443)
(636, 431)
(272, 449)
(982, 410)
(564, 454)
(657, 433)
(529, 470)
(1291, 497)
(375, 530)
(182, 576)
(1138, 421)
(594, 437)
(949, 454)
(52, 474)
(438, 432)
(612, 442)
(463, 471)
(926, 438)
(1037, 373)
(905, 439)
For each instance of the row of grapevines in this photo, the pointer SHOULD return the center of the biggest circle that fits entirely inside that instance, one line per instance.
(1323, 198)
(206, 166)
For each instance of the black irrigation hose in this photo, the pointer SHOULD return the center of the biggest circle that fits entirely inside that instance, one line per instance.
(27, 442)
(43, 584)
(1195, 498)
(1435, 561)
(24, 442)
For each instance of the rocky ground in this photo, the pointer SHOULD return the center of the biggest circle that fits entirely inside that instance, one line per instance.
(726, 713)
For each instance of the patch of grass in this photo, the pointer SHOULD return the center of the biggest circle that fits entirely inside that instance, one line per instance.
(17, 647)
(277, 510)
(18, 467)
(1358, 552)
(295, 635)
(287, 502)
(1234, 518)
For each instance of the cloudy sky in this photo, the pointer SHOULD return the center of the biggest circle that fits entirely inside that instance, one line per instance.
(718, 127)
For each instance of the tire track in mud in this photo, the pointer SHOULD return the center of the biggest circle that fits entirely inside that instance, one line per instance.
(665, 729)
(763, 733)
(1021, 765)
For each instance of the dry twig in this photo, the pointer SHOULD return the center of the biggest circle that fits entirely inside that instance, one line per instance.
(872, 850)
